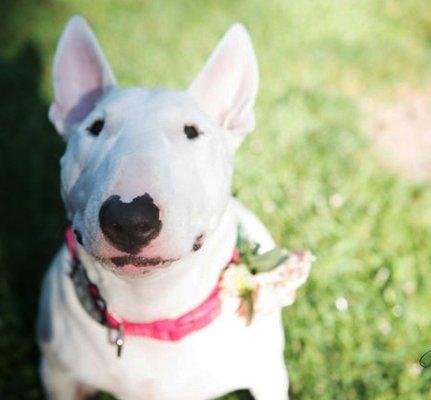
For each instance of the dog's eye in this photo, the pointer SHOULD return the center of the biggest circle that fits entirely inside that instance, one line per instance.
(191, 131)
(96, 127)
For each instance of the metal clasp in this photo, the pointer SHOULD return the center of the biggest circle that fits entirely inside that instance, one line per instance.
(119, 340)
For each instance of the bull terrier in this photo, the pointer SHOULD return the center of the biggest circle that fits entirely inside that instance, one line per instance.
(131, 306)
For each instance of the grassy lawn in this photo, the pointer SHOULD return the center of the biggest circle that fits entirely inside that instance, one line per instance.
(307, 171)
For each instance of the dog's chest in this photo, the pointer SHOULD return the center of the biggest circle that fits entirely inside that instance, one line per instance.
(223, 357)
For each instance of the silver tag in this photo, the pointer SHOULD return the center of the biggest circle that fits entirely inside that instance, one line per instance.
(119, 341)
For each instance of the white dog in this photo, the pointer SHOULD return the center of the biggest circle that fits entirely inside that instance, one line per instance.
(146, 180)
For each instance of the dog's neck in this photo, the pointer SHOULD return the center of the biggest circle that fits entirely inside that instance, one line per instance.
(170, 292)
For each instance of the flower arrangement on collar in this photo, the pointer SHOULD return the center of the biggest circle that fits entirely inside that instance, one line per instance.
(265, 281)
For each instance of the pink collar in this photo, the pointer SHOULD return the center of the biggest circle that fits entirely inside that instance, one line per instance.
(164, 329)
(176, 328)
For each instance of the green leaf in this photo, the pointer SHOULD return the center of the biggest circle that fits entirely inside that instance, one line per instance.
(268, 261)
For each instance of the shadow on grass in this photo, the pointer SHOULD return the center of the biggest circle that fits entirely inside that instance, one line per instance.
(31, 216)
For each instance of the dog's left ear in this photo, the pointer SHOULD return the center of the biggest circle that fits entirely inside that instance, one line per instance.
(226, 87)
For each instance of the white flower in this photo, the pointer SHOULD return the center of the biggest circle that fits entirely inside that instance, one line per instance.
(337, 200)
(384, 327)
(236, 279)
(341, 304)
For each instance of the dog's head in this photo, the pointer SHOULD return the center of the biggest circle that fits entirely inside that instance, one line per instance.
(146, 174)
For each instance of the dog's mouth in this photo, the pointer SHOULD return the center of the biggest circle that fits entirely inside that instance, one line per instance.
(137, 261)
(147, 263)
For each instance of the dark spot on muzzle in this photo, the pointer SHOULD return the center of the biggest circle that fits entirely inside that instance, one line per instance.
(130, 226)
(199, 241)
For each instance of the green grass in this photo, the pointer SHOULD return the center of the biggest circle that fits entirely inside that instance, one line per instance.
(306, 171)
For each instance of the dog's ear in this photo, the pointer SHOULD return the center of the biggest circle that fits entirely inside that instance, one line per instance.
(81, 75)
(226, 87)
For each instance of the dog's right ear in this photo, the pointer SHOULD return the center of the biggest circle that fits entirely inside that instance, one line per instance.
(81, 75)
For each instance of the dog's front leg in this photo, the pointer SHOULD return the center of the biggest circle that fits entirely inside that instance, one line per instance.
(271, 391)
(272, 384)
(58, 385)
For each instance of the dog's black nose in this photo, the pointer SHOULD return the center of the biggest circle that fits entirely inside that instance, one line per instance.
(130, 226)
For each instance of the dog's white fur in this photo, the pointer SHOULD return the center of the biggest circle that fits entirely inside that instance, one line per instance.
(143, 149)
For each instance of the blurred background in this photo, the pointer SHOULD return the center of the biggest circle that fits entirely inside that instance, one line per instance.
(339, 163)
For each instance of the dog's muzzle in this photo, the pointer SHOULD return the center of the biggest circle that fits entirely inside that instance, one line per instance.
(130, 226)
